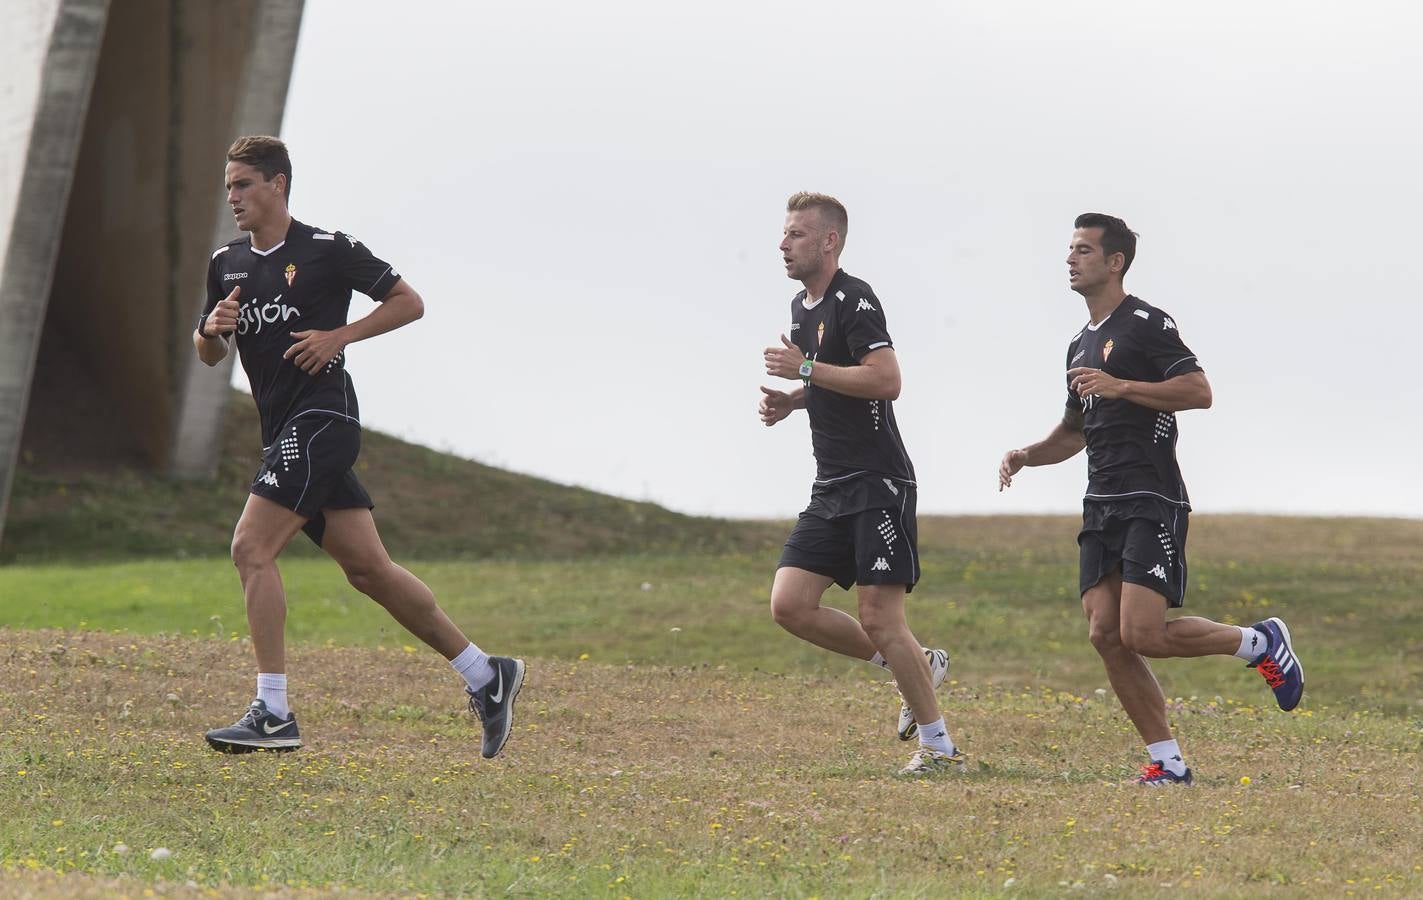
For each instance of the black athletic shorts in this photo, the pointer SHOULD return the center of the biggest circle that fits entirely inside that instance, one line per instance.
(871, 546)
(1143, 537)
(308, 469)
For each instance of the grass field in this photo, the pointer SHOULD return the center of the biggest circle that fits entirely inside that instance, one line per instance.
(672, 741)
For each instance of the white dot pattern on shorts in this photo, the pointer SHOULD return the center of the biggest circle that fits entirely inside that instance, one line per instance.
(875, 413)
(887, 533)
(1167, 544)
(289, 450)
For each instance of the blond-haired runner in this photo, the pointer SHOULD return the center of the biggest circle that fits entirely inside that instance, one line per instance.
(859, 528)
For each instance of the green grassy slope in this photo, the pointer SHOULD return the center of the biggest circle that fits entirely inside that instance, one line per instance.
(429, 504)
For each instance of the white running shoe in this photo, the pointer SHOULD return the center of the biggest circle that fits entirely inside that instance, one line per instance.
(938, 671)
(928, 761)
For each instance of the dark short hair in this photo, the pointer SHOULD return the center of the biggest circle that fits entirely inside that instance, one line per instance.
(266, 154)
(1116, 236)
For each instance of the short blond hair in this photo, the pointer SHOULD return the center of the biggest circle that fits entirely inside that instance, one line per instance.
(832, 212)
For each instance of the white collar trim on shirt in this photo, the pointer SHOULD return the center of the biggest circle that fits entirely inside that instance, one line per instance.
(810, 304)
(1090, 326)
(270, 250)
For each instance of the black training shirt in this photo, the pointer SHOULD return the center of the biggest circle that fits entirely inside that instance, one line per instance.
(851, 437)
(303, 283)
(1131, 450)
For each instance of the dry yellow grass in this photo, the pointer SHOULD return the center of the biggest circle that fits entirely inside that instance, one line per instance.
(654, 781)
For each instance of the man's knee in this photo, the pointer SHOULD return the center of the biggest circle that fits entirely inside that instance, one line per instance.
(881, 624)
(1105, 637)
(366, 575)
(788, 607)
(1103, 627)
(250, 554)
(1145, 639)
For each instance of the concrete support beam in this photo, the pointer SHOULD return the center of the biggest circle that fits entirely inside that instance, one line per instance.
(43, 118)
(114, 123)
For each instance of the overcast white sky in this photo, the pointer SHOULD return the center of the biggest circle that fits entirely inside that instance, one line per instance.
(590, 197)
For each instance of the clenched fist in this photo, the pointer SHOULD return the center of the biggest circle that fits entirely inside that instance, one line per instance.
(223, 318)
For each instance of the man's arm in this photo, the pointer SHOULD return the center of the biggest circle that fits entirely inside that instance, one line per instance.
(776, 405)
(1062, 443)
(215, 329)
(211, 350)
(875, 378)
(314, 349)
(1188, 391)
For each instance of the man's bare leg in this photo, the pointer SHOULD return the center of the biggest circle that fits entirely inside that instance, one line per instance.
(493, 682)
(1130, 675)
(263, 531)
(352, 540)
(1146, 631)
(882, 616)
(795, 605)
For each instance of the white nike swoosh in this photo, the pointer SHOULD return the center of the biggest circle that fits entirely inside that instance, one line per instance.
(499, 694)
(270, 730)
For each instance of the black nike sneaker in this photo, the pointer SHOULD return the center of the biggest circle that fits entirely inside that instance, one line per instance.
(258, 729)
(494, 703)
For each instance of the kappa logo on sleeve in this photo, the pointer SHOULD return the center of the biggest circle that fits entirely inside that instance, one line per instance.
(864, 305)
(1167, 324)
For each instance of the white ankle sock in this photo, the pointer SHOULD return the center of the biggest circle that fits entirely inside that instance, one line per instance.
(878, 660)
(1168, 753)
(1252, 643)
(473, 666)
(272, 690)
(937, 736)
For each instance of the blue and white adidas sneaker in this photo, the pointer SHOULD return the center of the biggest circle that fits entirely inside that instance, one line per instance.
(1279, 665)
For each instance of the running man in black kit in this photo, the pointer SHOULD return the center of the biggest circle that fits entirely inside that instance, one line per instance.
(284, 291)
(1128, 374)
(859, 528)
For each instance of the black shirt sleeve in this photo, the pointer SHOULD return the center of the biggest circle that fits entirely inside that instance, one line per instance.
(360, 270)
(1162, 345)
(863, 324)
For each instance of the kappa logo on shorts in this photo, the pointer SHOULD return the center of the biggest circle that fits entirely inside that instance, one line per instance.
(1158, 571)
(882, 566)
(269, 477)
